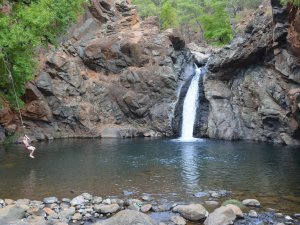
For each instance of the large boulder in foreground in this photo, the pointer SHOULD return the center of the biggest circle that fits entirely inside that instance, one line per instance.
(221, 216)
(128, 217)
(10, 213)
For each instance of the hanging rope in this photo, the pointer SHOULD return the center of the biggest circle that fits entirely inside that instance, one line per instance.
(10, 77)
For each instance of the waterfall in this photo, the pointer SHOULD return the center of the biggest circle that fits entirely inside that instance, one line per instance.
(190, 107)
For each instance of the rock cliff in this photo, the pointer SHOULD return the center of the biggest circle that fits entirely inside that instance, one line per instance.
(253, 85)
(113, 76)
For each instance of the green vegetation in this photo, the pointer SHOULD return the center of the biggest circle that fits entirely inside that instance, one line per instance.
(211, 17)
(293, 2)
(25, 26)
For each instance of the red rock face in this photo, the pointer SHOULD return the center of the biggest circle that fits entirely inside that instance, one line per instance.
(112, 73)
(294, 31)
(6, 114)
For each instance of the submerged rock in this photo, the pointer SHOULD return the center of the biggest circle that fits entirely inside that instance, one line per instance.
(251, 202)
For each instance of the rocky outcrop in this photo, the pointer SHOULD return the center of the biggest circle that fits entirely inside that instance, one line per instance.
(113, 76)
(252, 85)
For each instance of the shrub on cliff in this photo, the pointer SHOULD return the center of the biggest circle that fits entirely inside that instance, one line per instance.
(293, 2)
(25, 26)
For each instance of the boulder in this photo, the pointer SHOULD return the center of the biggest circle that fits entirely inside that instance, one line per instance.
(128, 217)
(178, 220)
(50, 200)
(192, 212)
(237, 211)
(106, 208)
(221, 216)
(146, 208)
(251, 202)
(77, 200)
(10, 213)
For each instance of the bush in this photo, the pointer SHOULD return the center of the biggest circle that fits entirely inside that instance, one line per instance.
(29, 25)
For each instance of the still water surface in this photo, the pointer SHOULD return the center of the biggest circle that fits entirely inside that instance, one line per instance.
(168, 169)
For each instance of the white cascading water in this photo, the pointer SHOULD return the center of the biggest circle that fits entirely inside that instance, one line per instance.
(190, 107)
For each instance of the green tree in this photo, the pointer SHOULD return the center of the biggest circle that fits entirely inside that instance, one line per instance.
(168, 16)
(216, 22)
(294, 2)
(147, 8)
(29, 25)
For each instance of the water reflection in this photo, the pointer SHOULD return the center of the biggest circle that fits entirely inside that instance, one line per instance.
(29, 184)
(190, 171)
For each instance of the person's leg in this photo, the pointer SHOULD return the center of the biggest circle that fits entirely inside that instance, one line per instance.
(31, 148)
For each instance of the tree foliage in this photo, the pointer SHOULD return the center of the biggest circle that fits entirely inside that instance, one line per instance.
(27, 26)
(293, 2)
(209, 16)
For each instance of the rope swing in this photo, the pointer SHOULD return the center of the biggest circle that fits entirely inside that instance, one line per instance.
(25, 139)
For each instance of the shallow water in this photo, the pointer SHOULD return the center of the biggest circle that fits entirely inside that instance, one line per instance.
(170, 170)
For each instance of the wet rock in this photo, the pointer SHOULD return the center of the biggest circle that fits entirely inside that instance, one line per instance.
(10, 213)
(161, 208)
(296, 215)
(147, 198)
(9, 201)
(107, 201)
(87, 196)
(288, 140)
(128, 217)
(278, 215)
(288, 218)
(106, 208)
(77, 200)
(253, 214)
(2, 134)
(96, 200)
(77, 216)
(50, 200)
(67, 213)
(251, 202)
(127, 193)
(146, 208)
(201, 194)
(215, 194)
(178, 220)
(193, 212)
(237, 211)
(111, 133)
(23, 202)
(221, 216)
(212, 203)
(66, 200)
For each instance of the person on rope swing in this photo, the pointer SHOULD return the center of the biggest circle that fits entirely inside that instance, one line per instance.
(29, 147)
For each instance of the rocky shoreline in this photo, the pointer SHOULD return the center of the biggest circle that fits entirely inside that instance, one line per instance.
(87, 209)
